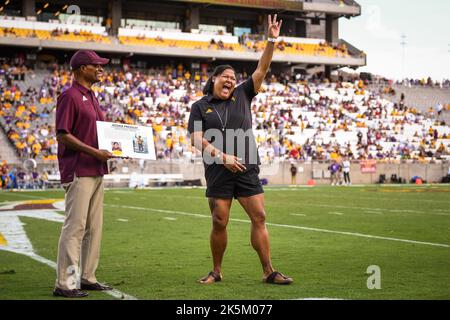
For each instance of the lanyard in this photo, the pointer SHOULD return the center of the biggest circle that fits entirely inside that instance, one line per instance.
(220, 118)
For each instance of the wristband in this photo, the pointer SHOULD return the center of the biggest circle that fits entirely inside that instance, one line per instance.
(272, 39)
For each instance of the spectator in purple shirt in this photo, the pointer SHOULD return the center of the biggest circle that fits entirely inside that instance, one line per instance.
(334, 171)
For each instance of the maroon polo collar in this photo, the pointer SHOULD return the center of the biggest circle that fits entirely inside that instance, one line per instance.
(82, 88)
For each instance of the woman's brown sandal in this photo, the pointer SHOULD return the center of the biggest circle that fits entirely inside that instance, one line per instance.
(217, 278)
(272, 278)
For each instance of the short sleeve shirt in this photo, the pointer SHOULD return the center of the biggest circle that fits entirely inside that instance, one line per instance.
(211, 116)
(77, 111)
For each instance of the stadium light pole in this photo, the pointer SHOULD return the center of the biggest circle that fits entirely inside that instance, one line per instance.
(403, 44)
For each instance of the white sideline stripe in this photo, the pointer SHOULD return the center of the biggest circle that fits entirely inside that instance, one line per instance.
(323, 298)
(288, 226)
(115, 293)
(155, 188)
(374, 209)
(336, 213)
(24, 195)
(376, 198)
(373, 212)
(172, 196)
(170, 218)
(298, 214)
(122, 220)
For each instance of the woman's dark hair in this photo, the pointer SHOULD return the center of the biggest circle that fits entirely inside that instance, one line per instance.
(209, 86)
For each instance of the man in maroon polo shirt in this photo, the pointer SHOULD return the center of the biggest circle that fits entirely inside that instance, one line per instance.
(82, 166)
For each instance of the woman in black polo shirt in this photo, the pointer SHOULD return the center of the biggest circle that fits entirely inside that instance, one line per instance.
(220, 125)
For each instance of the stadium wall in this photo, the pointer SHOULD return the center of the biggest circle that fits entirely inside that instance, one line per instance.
(279, 173)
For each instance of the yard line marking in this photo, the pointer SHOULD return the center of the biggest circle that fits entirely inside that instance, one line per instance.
(122, 220)
(17, 241)
(324, 298)
(163, 196)
(440, 213)
(25, 195)
(298, 214)
(374, 209)
(126, 190)
(366, 196)
(336, 213)
(356, 234)
(121, 192)
(373, 212)
(305, 188)
(374, 198)
(170, 218)
(115, 293)
(172, 196)
(159, 210)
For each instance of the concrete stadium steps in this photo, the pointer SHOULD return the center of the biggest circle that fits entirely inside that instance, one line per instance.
(426, 97)
(7, 151)
(421, 98)
(33, 80)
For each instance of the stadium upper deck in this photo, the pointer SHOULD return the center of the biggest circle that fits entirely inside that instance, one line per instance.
(223, 29)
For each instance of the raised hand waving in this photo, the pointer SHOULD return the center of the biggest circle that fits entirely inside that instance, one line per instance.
(274, 26)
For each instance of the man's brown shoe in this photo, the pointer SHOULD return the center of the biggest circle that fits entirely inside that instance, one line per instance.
(75, 293)
(95, 286)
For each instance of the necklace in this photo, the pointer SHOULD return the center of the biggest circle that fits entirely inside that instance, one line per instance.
(220, 118)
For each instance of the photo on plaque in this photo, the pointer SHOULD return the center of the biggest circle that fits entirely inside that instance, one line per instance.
(127, 141)
(140, 144)
(116, 148)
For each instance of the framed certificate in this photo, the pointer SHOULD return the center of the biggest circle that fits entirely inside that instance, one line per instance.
(124, 140)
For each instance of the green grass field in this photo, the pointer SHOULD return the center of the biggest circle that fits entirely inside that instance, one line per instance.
(156, 245)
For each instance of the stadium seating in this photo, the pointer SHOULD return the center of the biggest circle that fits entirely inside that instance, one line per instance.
(59, 35)
(310, 49)
(161, 42)
(303, 120)
(22, 28)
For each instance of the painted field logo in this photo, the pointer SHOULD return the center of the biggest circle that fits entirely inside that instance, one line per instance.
(13, 237)
(374, 280)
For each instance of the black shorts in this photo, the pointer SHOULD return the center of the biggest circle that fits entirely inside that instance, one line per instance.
(222, 183)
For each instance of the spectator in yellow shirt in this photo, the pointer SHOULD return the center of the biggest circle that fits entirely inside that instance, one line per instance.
(36, 147)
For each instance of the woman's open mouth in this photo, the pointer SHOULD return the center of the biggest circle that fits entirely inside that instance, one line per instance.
(226, 89)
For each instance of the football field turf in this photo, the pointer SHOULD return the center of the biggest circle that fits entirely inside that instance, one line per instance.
(156, 244)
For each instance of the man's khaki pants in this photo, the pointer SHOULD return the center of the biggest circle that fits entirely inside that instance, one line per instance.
(81, 233)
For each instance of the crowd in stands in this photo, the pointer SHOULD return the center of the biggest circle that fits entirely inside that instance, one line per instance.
(411, 82)
(256, 43)
(325, 121)
(16, 177)
(26, 118)
(294, 118)
(56, 34)
(11, 72)
(445, 83)
(253, 43)
(61, 34)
